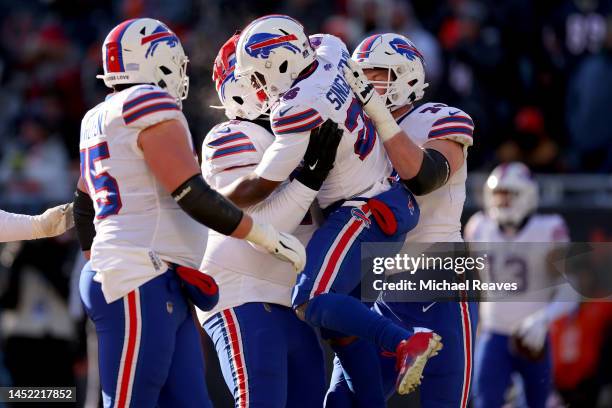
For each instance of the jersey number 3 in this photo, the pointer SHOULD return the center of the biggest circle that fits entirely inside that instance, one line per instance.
(106, 188)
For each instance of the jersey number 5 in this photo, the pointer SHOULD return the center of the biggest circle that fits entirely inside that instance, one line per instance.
(106, 188)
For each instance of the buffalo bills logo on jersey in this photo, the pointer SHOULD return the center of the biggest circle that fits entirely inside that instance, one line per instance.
(291, 94)
(160, 35)
(410, 206)
(260, 44)
(406, 49)
(360, 216)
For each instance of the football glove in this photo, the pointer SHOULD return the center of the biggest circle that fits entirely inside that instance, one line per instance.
(55, 221)
(532, 331)
(373, 103)
(283, 246)
(320, 155)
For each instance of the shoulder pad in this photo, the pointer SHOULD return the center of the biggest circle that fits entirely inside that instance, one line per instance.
(145, 105)
(450, 123)
(289, 118)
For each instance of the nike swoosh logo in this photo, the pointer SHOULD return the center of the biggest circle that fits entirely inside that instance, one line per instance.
(226, 130)
(313, 166)
(282, 113)
(453, 113)
(426, 308)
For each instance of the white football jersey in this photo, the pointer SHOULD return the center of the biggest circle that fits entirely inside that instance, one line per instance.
(243, 272)
(137, 221)
(440, 219)
(361, 165)
(516, 261)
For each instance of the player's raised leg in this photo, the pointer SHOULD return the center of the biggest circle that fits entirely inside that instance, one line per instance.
(333, 270)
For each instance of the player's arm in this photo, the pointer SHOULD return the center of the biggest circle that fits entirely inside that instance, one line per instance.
(291, 136)
(286, 208)
(84, 214)
(168, 154)
(17, 227)
(533, 328)
(423, 170)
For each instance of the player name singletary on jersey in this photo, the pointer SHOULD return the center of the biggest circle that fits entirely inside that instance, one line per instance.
(520, 258)
(361, 165)
(441, 209)
(137, 222)
(245, 274)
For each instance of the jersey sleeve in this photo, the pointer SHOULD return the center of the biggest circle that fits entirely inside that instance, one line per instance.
(146, 106)
(559, 230)
(286, 207)
(229, 153)
(291, 126)
(15, 227)
(471, 227)
(453, 124)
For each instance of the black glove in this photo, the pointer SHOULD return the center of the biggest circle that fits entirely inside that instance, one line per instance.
(320, 155)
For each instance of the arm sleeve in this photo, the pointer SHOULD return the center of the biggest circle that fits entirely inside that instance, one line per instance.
(285, 209)
(292, 133)
(15, 227)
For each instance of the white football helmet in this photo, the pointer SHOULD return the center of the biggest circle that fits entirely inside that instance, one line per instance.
(239, 99)
(404, 63)
(145, 51)
(272, 52)
(510, 193)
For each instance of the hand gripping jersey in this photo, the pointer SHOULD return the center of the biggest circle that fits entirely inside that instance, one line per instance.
(441, 209)
(244, 273)
(516, 261)
(361, 165)
(137, 221)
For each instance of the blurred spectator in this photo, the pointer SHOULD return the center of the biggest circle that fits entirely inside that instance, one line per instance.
(581, 354)
(38, 333)
(588, 110)
(530, 142)
(34, 169)
(404, 21)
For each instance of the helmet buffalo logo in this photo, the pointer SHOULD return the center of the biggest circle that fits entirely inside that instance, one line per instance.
(406, 49)
(159, 35)
(360, 216)
(260, 44)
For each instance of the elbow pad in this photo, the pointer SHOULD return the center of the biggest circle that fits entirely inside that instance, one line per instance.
(207, 206)
(433, 174)
(84, 214)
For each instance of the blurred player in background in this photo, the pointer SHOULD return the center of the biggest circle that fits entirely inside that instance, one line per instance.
(427, 145)
(269, 357)
(139, 168)
(302, 79)
(17, 227)
(514, 334)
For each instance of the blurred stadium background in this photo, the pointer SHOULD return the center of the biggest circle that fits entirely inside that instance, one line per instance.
(536, 76)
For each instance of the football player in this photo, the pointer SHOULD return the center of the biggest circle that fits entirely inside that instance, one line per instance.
(302, 79)
(427, 145)
(269, 357)
(513, 336)
(17, 227)
(151, 205)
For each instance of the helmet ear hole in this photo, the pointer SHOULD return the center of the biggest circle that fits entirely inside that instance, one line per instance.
(238, 100)
(162, 84)
(283, 67)
(165, 70)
